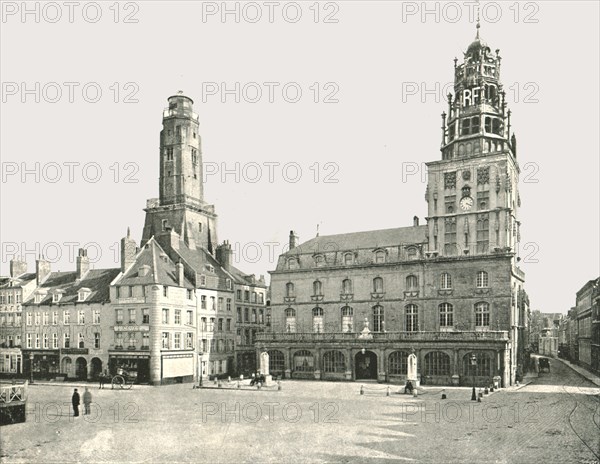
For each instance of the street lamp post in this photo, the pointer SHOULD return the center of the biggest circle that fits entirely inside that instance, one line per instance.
(31, 367)
(200, 365)
(473, 368)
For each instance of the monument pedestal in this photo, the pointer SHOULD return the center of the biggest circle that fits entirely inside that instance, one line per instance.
(268, 380)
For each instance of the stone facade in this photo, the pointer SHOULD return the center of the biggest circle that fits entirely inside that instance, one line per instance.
(66, 323)
(353, 306)
(14, 290)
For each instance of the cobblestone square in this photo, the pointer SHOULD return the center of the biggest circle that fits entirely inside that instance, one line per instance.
(553, 419)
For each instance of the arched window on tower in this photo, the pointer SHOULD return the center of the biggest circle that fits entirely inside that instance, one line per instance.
(378, 321)
(482, 279)
(317, 288)
(289, 289)
(412, 283)
(412, 318)
(446, 316)
(290, 320)
(347, 287)
(347, 319)
(482, 316)
(446, 281)
(318, 320)
(377, 285)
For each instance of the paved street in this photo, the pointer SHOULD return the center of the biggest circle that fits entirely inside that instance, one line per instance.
(554, 419)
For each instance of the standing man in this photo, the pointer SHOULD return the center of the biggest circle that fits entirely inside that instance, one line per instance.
(87, 400)
(75, 401)
(102, 377)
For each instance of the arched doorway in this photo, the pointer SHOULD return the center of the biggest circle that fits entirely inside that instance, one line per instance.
(365, 365)
(81, 369)
(66, 366)
(96, 365)
(276, 363)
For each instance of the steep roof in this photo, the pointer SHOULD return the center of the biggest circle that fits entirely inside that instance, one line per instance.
(162, 269)
(370, 239)
(23, 279)
(96, 280)
(245, 279)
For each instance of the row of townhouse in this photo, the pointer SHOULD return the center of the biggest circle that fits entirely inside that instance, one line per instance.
(161, 321)
(579, 331)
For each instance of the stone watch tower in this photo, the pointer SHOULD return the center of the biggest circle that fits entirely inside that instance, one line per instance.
(181, 205)
(472, 192)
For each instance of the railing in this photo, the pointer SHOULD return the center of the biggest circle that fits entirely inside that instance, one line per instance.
(13, 393)
(182, 113)
(454, 336)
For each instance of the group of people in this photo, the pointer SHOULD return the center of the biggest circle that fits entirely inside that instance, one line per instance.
(76, 401)
(87, 395)
(256, 378)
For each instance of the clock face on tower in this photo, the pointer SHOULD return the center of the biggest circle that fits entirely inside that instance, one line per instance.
(466, 203)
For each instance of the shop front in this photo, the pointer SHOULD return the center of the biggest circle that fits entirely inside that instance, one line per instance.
(135, 366)
(44, 365)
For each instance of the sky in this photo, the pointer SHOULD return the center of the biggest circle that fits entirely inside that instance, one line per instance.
(311, 115)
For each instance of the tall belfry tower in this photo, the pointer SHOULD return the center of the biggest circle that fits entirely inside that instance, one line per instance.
(472, 192)
(181, 207)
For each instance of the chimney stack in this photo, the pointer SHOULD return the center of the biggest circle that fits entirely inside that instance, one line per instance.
(416, 221)
(17, 267)
(224, 254)
(83, 263)
(128, 251)
(42, 270)
(294, 239)
(180, 276)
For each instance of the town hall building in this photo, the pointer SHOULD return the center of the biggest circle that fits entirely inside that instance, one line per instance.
(356, 305)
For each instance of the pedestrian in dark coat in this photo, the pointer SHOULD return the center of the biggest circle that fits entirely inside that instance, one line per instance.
(87, 400)
(75, 400)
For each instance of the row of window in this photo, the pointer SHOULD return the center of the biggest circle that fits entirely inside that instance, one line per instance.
(166, 319)
(57, 295)
(446, 318)
(10, 298)
(472, 125)
(208, 325)
(435, 363)
(174, 342)
(257, 297)
(412, 284)
(251, 315)
(217, 345)
(216, 304)
(43, 318)
(349, 258)
(46, 341)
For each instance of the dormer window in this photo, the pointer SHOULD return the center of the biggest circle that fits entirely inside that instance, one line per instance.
(56, 297)
(38, 298)
(380, 256)
(83, 293)
(319, 260)
(210, 268)
(411, 253)
(292, 263)
(348, 259)
(228, 284)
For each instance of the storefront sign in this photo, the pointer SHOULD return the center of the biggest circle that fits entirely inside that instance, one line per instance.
(132, 328)
(74, 351)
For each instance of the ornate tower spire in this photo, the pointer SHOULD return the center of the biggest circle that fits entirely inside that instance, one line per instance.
(472, 191)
